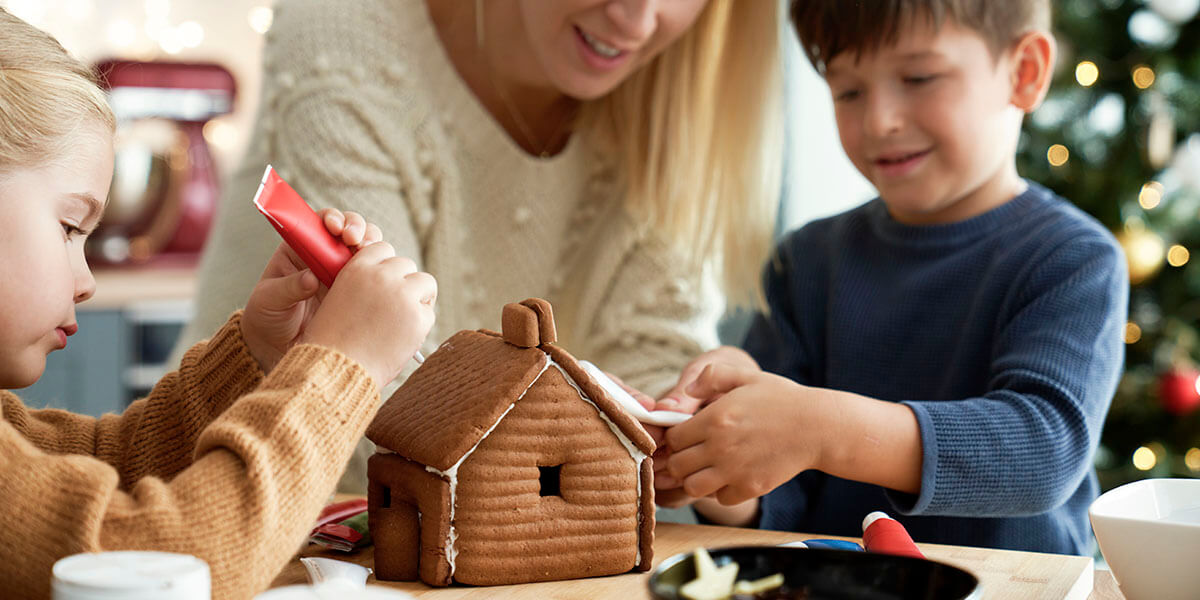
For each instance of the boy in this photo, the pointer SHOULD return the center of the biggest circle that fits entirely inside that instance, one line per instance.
(945, 353)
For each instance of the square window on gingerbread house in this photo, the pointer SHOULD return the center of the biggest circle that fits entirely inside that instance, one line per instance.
(550, 481)
(498, 455)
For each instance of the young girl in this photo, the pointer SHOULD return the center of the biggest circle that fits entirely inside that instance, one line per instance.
(231, 457)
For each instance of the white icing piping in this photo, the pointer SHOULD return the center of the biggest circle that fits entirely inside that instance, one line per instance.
(637, 455)
(634, 453)
(451, 474)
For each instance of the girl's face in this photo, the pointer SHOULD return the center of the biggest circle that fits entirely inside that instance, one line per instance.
(48, 212)
(586, 48)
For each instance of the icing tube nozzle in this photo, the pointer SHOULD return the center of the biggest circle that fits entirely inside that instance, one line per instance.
(301, 227)
(886, 535)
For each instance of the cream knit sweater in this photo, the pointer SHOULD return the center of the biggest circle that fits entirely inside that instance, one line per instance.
(217, 462)
(362, 110)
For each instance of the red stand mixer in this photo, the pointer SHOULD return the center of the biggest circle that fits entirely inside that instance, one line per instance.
(165, 186)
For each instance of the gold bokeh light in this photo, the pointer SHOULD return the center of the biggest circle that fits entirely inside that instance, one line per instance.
(1151, 195)
(1143, 77)
(1178, 256)
(1192, 459)
(1144, 459)
(1133, 333)
(1087, 73)
(1058, 155)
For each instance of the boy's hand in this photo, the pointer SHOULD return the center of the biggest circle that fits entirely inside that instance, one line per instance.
(668, 491)
(752, 436)
(679, 400)
(287, 293)
(378, 312)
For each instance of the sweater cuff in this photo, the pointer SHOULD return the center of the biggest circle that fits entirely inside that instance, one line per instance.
(916, 504)
(222, 368)
(327, 371)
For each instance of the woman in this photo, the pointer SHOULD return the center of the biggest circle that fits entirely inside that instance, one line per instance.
(616, 157)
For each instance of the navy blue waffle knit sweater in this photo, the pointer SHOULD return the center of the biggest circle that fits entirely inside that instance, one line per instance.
(1003, 333)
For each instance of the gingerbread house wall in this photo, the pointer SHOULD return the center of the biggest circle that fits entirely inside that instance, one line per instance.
(507, 532)
(409, 520)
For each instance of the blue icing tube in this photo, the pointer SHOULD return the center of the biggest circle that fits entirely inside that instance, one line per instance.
(834, 545)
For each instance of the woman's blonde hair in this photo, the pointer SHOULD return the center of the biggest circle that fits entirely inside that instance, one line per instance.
(45, 96)
(699, 133)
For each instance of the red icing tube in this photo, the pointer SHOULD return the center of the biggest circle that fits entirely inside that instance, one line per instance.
(886, 535)
(301, 227)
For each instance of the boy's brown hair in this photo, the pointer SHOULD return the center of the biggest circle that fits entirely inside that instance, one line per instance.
(827, 28)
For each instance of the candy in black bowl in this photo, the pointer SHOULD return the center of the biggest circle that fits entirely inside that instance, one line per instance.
(818, 574)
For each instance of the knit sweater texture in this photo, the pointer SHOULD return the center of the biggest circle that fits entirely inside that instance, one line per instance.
(1002, 333)
(362, 110)
(218, 462)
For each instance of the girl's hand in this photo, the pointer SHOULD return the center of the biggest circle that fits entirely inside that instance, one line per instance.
(378, 312)
(288, 294)
(757, 431)
(351, 227)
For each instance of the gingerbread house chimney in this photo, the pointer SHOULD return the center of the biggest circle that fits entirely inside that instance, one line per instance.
(528, 324)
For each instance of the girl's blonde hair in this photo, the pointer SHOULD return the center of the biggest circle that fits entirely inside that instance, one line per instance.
(699, 133)
(45, 96)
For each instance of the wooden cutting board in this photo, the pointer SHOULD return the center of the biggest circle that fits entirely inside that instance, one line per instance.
(1005, 574)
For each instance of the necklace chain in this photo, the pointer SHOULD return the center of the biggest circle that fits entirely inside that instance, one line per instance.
(542, 149)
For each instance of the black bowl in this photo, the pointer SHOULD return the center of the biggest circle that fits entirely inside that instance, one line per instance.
(827, 574)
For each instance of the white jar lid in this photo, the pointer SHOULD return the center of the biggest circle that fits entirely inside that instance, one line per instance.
(131, 575)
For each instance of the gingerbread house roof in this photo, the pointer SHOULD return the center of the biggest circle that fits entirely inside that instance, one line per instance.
(464, 388)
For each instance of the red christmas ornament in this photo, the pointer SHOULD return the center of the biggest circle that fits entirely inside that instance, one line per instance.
(1177, 391)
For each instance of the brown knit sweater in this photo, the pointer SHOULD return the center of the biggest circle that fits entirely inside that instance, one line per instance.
(219, 462)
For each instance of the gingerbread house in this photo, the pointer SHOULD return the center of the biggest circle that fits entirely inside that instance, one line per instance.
(501, 461)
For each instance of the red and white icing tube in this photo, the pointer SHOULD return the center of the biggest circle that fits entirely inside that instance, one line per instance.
(301, 227)
(886, 535)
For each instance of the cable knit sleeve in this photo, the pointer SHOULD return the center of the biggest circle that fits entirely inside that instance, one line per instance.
(1024, 446)
(642, 313)
(261, 472)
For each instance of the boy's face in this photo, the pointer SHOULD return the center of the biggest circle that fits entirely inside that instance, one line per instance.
(929, 122)
(47, 212)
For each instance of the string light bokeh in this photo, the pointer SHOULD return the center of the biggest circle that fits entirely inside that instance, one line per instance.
(1119, 135)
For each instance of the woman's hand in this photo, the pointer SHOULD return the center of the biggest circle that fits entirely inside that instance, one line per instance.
(679, 400)
(656, 432)
(288, 294)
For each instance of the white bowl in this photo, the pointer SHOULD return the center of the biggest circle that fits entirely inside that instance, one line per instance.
(1149, 532)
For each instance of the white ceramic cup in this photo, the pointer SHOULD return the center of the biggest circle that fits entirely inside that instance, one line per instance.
(131, 576)
(1149, 532)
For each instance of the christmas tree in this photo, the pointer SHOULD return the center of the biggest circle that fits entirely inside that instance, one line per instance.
(1119, 135)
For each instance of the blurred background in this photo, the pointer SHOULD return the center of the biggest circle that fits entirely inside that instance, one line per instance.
(1119, 135)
